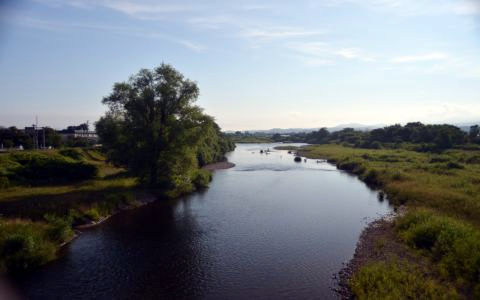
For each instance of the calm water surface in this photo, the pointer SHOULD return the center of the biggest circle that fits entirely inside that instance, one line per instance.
(268, 228)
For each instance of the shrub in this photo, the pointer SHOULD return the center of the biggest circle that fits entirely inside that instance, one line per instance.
(92, 213)
(60, 228)
(71, 153)
(4, 182)
(40, 169)
(351, 165)
(454, 165)
(372, 178)
(398, 176)
(201, 178)
(453, 243)
(437, 159)
(392, 280)
(24, 246)
(473, 159)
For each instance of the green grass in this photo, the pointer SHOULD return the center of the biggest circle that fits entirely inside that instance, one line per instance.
(293, 148)
(398, 280)
(107, 177)
(442, 223)
(447, 182)
(41, 212)
(25, 244)
(250, 139)
(453, 245)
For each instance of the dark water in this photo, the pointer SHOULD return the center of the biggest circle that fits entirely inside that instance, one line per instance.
(269, 228)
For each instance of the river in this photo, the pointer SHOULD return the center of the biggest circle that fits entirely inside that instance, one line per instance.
(269, 228)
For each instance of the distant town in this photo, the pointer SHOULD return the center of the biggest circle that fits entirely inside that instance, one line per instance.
(36, 137)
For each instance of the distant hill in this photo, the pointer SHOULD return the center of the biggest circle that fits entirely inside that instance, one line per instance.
(356, 126)
(362, 127)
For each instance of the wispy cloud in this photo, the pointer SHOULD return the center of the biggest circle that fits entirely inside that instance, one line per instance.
(140, 9)
(414, 7)
(55, 25)
(354, 53)
(420, 57)
(279, 33)
(193, 46)
(146, 10)
(319, 53)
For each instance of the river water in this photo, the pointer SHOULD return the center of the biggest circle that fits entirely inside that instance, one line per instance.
(269, 228)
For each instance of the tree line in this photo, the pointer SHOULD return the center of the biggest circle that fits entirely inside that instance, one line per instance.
(422, 137)
(13, 137)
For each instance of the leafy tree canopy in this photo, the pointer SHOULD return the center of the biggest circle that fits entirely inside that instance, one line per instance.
(154, 129)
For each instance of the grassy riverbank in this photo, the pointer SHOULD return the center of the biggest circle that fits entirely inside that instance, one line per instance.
(45, 194)
(441, 226)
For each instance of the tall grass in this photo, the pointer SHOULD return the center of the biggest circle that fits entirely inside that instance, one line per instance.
(24, 245)
(453, 244)
(398, 280)
(442, 192)
(448, 182)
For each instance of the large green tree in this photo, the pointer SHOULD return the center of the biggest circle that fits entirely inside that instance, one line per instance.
(153, 128)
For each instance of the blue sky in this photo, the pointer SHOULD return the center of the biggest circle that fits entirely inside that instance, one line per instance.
(259, 64)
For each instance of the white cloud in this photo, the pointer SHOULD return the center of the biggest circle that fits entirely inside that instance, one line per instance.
(193, 46)
(319, 53)
(53, 25)
(144, 9)
(278, 33)
(310, 48)
(354, 53)
(420, 57)
(414, 7)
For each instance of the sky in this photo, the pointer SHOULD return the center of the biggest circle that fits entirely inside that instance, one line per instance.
(258, 64)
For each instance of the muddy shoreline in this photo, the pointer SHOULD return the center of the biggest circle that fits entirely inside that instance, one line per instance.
(219, 166)
(377, 242)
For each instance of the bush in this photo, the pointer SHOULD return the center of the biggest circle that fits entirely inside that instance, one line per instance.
(54, 168)
(201, 178)
(371, 177)
(350, 165)
(453, 243)
(4, 182)
(473, 159)
(92, 213)
(60, 228)
(394, 280)
(454, 165)
(71, 153)
(438, 159)
(24, 246)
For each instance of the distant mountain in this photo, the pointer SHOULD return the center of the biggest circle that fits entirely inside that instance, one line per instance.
(296, 130)
(355, 126)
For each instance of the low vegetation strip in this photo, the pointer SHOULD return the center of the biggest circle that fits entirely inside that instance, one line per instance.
(448, 182)
(45, 194)
(442, 194)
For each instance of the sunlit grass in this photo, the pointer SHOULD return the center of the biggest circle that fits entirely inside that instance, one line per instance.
(448, 182)
(108, 177)
(398, 280)
(89, 186)
(442, 192)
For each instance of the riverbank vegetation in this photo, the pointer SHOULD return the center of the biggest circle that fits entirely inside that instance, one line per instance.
(246, 137)
(441, 191)
(154, 144)
(154, 130)
(413, 136)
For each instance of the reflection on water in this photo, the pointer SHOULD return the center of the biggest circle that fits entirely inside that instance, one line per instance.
(267, 228)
